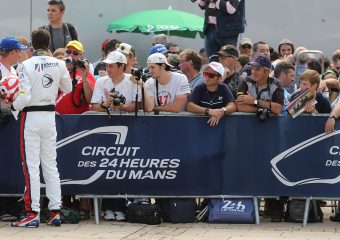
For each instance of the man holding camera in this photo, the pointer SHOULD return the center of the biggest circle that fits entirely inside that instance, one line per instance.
(260, 93)
(115, 91)
(83, 82)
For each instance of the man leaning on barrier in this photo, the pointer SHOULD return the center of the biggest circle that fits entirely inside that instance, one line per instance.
(212, 98)
(167, 90)
(260, 92)
(115, 91)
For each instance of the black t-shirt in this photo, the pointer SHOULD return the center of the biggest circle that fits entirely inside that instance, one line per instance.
(214, 100)
(233, 82)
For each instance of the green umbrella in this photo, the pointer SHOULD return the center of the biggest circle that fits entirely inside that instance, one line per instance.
(170, 22)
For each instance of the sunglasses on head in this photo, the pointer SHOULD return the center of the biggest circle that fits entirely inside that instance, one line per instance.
(210, 75)
(246, 46)
(75, 53)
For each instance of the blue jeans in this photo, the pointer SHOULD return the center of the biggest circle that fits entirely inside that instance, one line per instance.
(213, 44)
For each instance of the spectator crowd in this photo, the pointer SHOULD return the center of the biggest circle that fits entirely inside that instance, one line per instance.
(232, 76)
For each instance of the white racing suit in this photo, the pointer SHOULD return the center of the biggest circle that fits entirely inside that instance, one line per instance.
(40, 79)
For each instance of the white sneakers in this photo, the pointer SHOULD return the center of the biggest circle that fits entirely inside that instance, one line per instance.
(114, 216)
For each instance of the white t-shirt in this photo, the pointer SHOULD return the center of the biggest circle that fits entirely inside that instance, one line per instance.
(126, 87)
(178, 85)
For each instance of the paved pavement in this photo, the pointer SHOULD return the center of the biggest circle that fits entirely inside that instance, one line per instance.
(199, 231)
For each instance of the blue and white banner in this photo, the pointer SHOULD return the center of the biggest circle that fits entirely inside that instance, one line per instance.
(171, 155)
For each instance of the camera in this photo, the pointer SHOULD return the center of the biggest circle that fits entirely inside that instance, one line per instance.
(263, 114)
(117, 98)
(80, 63)
(68, 60)
(140, 73)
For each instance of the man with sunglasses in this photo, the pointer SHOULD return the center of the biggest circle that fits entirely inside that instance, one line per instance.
(78, 101)
(228, 56)
(246, 47)
(212, 98)
(61, 32)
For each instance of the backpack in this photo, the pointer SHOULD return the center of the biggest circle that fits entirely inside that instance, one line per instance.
(296, 210)
(178, 210)
(66, 27)
(143, 213)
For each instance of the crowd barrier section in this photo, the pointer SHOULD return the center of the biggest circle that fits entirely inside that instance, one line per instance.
(182, 156)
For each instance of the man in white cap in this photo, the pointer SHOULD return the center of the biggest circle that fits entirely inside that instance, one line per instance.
(168, 91)
(130, 54)
(212, 98)
(117, 83)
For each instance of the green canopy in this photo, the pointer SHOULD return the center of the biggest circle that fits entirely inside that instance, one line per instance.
(170, 22)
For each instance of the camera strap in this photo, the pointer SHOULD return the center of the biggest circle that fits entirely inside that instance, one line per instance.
(157, 94)
(64, 29)
(74, 83)
(259, 93)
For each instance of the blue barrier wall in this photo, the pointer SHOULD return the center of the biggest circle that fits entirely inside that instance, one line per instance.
(181, 155)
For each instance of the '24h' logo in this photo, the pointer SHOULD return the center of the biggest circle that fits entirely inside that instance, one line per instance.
(232, 206)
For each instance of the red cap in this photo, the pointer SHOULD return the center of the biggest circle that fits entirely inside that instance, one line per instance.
(104, 43)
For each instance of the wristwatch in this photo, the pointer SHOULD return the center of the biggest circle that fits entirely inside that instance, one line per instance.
(256, 102)
(224, 110)
(206, 112)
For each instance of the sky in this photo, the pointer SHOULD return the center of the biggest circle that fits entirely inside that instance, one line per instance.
(309, 23)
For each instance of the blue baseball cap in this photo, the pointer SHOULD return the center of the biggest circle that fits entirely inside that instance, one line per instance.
(261, 61)
(158, 48)
(11, 43)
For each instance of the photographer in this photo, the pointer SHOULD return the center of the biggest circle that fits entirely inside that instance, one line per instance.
(115, 91)
(260, 92)
(83, 82)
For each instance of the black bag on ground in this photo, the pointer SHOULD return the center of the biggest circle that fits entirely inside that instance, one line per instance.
(179, 210)
(143, 213)
(296, 210)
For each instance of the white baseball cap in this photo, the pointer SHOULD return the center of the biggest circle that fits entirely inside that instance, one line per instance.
(115, 57)
(217, 67)
(158, 58)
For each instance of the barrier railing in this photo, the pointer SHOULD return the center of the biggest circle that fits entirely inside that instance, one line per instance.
(180, 155)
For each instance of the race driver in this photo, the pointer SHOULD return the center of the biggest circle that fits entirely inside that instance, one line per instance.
(40, 78)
